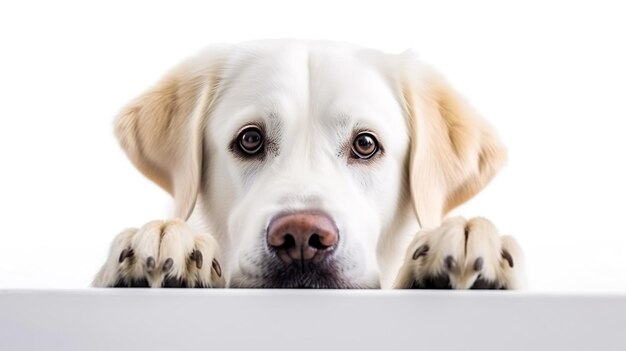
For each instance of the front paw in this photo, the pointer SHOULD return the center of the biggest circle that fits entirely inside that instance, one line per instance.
(167, 254)
(462, 254)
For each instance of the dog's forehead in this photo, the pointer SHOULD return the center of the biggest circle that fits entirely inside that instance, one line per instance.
(294, 80)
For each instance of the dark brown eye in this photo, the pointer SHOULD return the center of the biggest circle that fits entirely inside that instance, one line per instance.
(250, 140)
(365, 145)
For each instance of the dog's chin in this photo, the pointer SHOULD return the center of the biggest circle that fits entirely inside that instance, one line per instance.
(294, 277)
(304, 284)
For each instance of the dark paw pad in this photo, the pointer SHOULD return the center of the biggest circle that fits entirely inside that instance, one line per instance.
(174, 282)
(432, 282)
(131, 283)
(484, 284)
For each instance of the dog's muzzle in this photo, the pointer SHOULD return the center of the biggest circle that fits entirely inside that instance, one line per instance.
(304, 250)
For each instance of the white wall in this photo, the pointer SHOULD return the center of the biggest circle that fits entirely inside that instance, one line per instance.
(550, 76)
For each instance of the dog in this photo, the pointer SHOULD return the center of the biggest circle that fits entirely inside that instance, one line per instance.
(310, 164)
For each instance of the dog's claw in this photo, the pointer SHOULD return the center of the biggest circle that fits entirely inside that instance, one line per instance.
(196, 256)
(478, 264)
(507, 256)
(167, 265)
(450, 262)
(150, 263)
(125, 254)
(421, 251)
(216, 267)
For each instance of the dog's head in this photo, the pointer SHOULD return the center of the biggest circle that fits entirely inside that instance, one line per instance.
(313, 163)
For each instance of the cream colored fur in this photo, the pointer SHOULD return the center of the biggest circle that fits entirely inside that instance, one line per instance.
(454, 153)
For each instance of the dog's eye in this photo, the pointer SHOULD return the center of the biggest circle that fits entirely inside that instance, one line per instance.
(250, 140)
(365, 146)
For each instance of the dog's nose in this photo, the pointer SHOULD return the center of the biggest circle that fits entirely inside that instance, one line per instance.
(302, 236)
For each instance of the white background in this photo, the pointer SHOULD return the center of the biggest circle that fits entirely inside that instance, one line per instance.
(550, 76)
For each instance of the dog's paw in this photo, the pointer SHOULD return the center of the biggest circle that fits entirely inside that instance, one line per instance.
(167, 254)
(462, 254)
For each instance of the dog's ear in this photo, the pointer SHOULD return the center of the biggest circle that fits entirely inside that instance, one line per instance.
(454, 153)
(162, 130)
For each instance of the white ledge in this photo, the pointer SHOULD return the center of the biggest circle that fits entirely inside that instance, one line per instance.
(225, 319)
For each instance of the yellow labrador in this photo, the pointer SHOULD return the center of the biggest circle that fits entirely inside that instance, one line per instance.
(310, 165)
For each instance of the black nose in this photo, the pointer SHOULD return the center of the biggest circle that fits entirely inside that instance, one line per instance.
(302, 236)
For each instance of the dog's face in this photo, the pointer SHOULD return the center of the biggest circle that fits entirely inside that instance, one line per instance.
(312, 163)
(314, 134)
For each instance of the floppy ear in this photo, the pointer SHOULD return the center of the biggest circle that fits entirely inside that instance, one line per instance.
(162, 130)
(454, 153)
